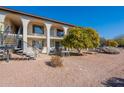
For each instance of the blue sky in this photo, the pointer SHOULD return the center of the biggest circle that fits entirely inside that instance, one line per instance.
(108, 21)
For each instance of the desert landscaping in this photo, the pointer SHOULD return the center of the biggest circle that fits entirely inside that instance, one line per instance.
(77, 71)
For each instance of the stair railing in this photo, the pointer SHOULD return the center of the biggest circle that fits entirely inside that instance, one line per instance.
(35, 50)
(6, 32)
(17, 35)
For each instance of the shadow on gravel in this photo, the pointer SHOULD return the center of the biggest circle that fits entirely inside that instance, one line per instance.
(17, 59)
(114, 82)
(48, 63)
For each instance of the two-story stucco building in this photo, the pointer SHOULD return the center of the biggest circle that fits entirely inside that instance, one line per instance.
(36, 31)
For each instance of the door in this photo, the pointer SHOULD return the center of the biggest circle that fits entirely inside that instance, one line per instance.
(57, 45)
(20, 44)
(37, 44)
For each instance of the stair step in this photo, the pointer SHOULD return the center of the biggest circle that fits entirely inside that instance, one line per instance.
(19, 51)
(16, 49)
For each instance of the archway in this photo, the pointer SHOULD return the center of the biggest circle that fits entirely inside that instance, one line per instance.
(56, 34)
(14, 23)
(37, 34)
(36, 28)
(57, 30)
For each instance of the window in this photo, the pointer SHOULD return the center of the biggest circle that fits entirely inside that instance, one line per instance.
(60, 33)
(38, 29)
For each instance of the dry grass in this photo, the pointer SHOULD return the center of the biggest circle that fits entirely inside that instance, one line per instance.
(56, 61)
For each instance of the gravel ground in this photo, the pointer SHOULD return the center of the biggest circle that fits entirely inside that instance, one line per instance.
(78, 71)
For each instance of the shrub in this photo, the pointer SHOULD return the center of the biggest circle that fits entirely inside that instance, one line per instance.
(120, 42)
(109, 50)
(56, 61)
(111, 43)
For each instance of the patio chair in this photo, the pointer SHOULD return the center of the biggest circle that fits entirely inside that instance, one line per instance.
(52, 50)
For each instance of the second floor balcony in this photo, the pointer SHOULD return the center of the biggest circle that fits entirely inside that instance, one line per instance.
(36, 35)
(37, 32)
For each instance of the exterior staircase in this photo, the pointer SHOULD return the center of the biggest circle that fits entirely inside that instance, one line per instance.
(31, 52)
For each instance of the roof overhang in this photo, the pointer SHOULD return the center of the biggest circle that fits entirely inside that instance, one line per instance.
(38, 17)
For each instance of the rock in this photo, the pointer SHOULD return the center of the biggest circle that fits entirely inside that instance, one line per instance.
(108, 50)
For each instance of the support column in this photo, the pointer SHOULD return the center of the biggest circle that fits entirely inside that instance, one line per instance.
(25, 23)
(48, 27)
(65, 30)
(2, 18)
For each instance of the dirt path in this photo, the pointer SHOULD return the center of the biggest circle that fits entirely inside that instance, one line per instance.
(91, 70)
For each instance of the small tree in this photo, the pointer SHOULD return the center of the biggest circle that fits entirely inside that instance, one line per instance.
(93, 37)
(120, 40)
(80, 38)
(111, 43)
(75, 39)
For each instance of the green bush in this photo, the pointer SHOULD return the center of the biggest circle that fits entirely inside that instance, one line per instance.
(120, 42)
(81, 38)
(111, 43)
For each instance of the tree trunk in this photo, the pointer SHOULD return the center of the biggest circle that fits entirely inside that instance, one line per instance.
(79, 51)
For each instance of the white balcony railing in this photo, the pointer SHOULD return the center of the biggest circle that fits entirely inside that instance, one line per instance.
(14, 35)
(56, 36)
(35, 34)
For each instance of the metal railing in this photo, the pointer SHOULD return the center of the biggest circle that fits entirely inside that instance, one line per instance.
(35, 34)
(55, 35)
(34, 49)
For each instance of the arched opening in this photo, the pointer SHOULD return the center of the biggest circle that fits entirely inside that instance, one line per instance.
(37, 30)
(56, 31)
(56, 34)
(14, 24)
(14, 21)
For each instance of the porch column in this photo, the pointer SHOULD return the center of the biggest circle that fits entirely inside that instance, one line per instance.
(48, 27)
(2, 18)
(65, 30)
(25, 23)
